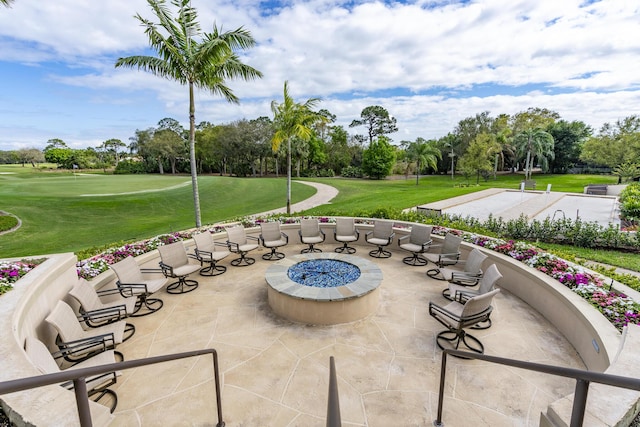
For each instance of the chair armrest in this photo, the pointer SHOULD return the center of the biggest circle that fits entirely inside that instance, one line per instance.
(222, 245)
(167, 270)
(83, 346)
(132, 289)
(110, 291)
(233, 247)
(117, 312)
(203, 254)
(253, 238)
(285, 237)
(405, 237)
(427, 244)
(435, 310)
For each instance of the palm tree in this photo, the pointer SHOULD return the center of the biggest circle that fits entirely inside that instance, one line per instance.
(534, 142)
(6, 2)
(292, 120)
(424, 153)
(204, 62)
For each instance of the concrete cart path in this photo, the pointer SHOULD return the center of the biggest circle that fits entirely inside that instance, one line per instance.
(325, 193)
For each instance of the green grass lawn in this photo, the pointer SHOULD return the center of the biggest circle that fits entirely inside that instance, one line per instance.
(60, 212)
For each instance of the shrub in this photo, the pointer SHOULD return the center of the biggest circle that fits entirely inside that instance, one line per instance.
(630, 203)
(7, 222)
(130, 167)
(352, 172)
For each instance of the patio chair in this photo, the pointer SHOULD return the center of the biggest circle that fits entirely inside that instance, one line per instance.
(381, 236)
(86, 343)
(94, 311)
(241, 244)
(486, 284)
(174, 263)
(345, 233)
(310, 234)
(207, 252)
(417, 242)
(272, 238)
(465, 272)
(97, 386)
(131, 283)
(460, 314)
(449, 254)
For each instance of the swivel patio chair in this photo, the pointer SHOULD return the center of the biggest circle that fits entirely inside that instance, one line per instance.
(97, 386)
(465, 272)
(449, 254)
(131, 283)
(381, 236)
(418, 242)
(207, 252)
(96, 312)
(311, 235)
(486, 284)
(86, 343)
(241, 244)
(345, 233)
(272, 238)
(461, 314)
(174, 263)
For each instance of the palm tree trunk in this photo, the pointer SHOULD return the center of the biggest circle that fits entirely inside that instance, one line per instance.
(288, 176)
(192, 155)
(418, 174)
(527, 172)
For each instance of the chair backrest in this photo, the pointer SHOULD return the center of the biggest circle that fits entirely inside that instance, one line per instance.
(451, 244)
(237, 235)
(128, 271)
(64, 320)
(382, 229)
(489, 279)
(86, 295)
(40, 356)
(204, 242)
(420, 234)
(345, 226)
(474, 262)
(173, 254)
(270, 231)
(478, 304)
(309, 227)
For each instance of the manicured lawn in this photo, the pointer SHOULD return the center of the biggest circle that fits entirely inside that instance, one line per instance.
(60, 212)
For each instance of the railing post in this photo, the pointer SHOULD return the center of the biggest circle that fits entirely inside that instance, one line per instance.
(443, 370)
(333, 405)
(579, 402)
(216, 373)
(82, 402)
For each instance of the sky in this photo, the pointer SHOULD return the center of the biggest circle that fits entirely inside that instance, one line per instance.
(430, 63)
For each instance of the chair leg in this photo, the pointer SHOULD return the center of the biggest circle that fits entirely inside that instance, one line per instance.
(213, 269)
(129, 330)
(310, 249)
(435, 273)
(415, 260)
(452, 340)
(182, 286)
(101, 393)
(274, 255)
(345, 248)
(380, 253)
(145, 306)
(243, 261)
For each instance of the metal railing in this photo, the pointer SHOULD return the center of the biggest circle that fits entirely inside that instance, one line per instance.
(583, 379)
(78, 376)
(333, 404)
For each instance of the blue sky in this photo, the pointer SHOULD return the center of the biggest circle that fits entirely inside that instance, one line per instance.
(430, 63)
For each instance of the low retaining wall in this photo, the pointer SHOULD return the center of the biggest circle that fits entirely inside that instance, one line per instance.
(23, 309)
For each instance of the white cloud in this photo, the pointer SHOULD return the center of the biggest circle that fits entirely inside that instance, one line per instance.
(445, 58)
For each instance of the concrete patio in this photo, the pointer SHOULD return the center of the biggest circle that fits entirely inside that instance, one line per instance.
(275, 372)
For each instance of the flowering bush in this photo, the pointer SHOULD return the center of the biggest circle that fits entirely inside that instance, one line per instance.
(12, 271)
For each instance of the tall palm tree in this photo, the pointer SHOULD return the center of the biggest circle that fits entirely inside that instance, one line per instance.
(292, 120)
(6, 2)
(424, 153)
(192, 58)
(534, 143)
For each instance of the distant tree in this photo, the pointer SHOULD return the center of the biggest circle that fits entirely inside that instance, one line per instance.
(424, 153)
(479, 157)
(113, 147)
(568, 139)
(377, 120)
(192, 58)
(337, 149)
(615, 144)
(627, 171)
(379, 158)
(534, 144)
(533, 118)
(469, 128)
(57, 152)
(292, 120)
(30, 155)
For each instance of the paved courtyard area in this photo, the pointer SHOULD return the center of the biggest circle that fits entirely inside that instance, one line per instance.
(275, 372)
